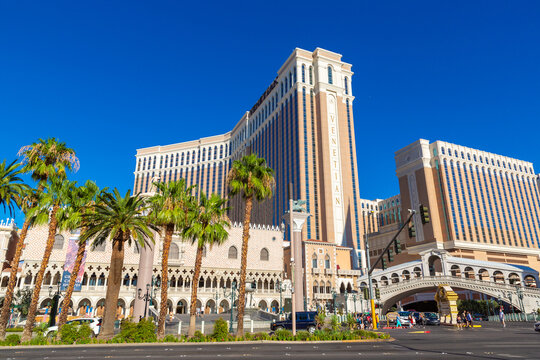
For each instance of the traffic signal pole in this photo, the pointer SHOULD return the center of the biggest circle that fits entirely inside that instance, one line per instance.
(384, 252)
(370, 284)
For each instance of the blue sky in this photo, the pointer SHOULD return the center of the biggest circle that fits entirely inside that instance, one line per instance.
(110, 77)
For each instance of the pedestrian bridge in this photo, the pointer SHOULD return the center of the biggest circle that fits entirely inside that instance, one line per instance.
(513, 284)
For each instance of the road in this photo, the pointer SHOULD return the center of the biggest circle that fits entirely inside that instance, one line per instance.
(491, 342)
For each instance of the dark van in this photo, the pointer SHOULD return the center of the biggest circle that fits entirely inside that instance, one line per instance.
(305, 320)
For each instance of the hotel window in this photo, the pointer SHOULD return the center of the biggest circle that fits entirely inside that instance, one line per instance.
(233, 252)
(314, 261)
(139, 165)
(311, 75)
(442, 151)
(166, 160)
(203, 154)
(455, 153)
(303, 73)
(154, 163)
(346, 86)
(462, 155)
(193, 157)
(468, 156)
(144, 164)
(172, 158)
(187, 158)
(177, 156)
(480, 159)
(160, 162)
(330, 79)
(474, 157)
(264, 255)
(215, 152)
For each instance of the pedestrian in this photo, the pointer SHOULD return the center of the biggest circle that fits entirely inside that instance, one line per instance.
(469, 319)
(423, 320)
(501, 316)
(459, 322)
(411, 320)
(398, 322)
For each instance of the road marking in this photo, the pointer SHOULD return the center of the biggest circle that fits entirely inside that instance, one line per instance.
(511, 356)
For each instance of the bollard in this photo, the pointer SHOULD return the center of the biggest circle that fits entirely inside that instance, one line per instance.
(180, 328)
(228, 324)
(251, 327)
(202, 326)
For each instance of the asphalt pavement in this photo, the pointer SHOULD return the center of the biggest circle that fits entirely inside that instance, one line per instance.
(435, 342)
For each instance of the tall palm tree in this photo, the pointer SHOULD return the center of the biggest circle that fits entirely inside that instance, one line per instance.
(82, 201)
(12, 187)
(207, 227)
(251, 177)
(169, 211)
(123, 221)
(49, 202)
(43, 159)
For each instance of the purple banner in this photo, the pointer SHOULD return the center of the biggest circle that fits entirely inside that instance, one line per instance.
(69, 264)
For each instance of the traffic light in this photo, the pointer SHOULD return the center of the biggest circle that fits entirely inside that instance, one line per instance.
(390, 255)
(397, 246)
(366, 293)
(412, 231)
(383, 261)
(424, 214)
(377, 293)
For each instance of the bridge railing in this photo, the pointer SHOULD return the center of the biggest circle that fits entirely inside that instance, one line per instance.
(533, 317)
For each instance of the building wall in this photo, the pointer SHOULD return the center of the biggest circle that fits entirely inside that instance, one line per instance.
(480, 203)
(218, 269)
(303, 126)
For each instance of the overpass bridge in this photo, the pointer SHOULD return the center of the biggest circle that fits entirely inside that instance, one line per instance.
(513, 284)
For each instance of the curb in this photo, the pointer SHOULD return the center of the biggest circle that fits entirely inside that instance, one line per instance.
(30, 347)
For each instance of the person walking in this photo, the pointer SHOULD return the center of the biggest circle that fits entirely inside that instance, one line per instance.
(469, 319)
(501, 316)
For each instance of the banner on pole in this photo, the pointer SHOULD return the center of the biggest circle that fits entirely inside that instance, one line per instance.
(73, 247)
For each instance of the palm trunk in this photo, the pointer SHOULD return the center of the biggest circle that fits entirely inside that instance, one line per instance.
(164, 280)
(114, 281)
(69, 291)
(10, 291)
(243, 267)
(194, 285)
(27, 333)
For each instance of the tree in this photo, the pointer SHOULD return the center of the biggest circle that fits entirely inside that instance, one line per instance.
(169, 208)
(12, 187)
(123, 221)
(42, 159)
(207, 227)
(82, 201)
(49, 202)
(252, 178)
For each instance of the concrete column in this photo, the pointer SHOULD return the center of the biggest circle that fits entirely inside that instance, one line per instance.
(299, 218)
(144, 276)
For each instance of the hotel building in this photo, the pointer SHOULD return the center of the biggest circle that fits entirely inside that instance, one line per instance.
(482, 206)
(303, 126)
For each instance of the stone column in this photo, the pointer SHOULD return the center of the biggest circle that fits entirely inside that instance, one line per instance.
(144, 276)
(299, 218)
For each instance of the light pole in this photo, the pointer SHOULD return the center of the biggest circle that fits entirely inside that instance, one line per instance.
(354, 299)
(346, 300)
(146, 297)
(279, 284)
(232, 291)
(519, 291)
(54, 306)
(512, 306)
(368, 262)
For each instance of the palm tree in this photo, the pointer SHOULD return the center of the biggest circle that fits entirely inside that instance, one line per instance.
(82, 201)
(12, 188)
(44, 159)
(207, 226)
(251, 177)
(123, 221)
(168, 210)
(46, 211)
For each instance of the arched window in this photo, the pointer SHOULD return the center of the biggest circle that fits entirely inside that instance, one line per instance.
(330, 79)
(314, 261)
(58, 242)
(101, 280)
(327, 262)
(174, 252)
(346, 85)
(303, 73)
(93, 280)
(264, 254)
(204, 251)
(233, 252)
(315, 287)
(311, 75)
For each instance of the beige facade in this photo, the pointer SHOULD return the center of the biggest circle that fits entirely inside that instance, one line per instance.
(303, 126)
(482, 206)
(220, 267)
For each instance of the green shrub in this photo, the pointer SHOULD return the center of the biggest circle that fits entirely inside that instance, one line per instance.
(320, 319)
(283, 334)
(75, 334)
(38, 340)
(12, 340)
(248, 336)
(350, 321)
(197, 337)
(261, 336)
(170, 338)
(15, 329)
(302, 336)
(334, 323)
(221, 331)
(40, 329)
(143, 331)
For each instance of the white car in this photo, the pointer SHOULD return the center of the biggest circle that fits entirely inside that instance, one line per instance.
(94, 323)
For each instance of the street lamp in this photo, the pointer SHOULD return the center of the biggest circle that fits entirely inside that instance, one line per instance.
(346, 305)
(232, 291)
(519, 291)
(279, 284)
(510, 297)
(54, 306)
(146, 297)
(354, 299)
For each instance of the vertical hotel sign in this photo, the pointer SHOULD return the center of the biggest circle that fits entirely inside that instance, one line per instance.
(335, 166)
(73, 247)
